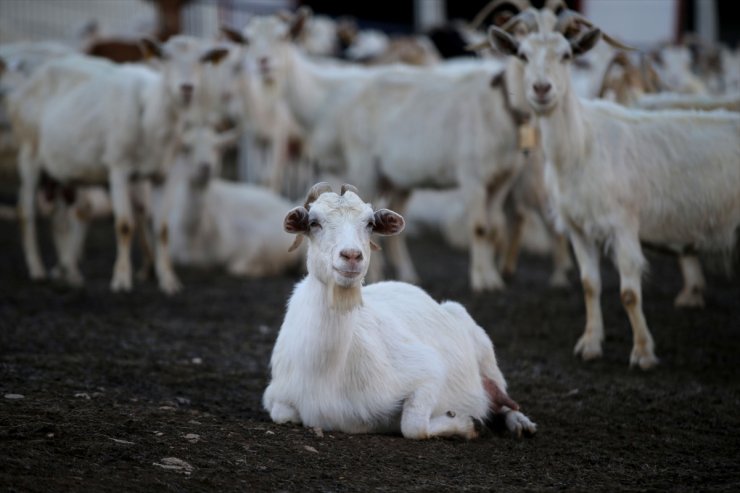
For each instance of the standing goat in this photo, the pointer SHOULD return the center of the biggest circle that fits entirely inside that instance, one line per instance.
(619, 176)
(381, 358)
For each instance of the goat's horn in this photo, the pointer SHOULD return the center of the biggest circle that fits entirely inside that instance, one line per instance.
(493, 5)
(556, 6)
(315, 191)
(350, 188)
(527, 17)
(569, 18)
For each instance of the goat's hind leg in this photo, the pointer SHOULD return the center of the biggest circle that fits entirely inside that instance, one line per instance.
(630, 262)
(692, 294)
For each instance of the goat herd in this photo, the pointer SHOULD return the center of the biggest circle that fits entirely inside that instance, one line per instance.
(512, 135)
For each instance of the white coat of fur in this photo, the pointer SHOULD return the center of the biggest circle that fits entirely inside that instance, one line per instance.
(381, 358)
(620, 176)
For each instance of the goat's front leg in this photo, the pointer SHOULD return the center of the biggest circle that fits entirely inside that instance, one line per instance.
(119, 188)
(692, 294)
(630, 262)
(483, 272)
(398, 251)
(30, 173)
(587, 256)
(168, 281)
(69, 232)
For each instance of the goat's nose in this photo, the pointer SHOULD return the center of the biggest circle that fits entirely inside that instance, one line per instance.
(186, 88)
(351, 255)
(542, 88)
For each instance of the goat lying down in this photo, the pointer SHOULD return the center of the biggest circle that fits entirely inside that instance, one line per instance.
(381, 358)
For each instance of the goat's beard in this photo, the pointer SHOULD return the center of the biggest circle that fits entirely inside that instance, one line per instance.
(345, 299)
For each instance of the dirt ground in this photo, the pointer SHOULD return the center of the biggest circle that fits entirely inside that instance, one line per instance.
(116, 386)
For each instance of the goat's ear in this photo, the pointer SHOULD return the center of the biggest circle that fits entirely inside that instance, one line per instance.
(388, 223)
(234, 36)
(297, 26)
(502, 41)
(214, 55)
(296, 221)
(151, 49)
(585, 41)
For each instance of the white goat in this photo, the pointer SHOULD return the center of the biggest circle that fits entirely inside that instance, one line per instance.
(381, 358)
(219, 223)
(125, 125)
(619, 176)
(402, 128)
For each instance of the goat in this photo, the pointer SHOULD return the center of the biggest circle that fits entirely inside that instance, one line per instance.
(215, 222)
(381, 358)
(129, 134)
(619, 176)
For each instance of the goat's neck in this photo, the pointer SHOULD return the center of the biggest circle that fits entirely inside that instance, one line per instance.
(329, 327)
(564, 133)
(305, 89)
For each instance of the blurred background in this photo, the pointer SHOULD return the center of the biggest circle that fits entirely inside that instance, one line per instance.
(636, 21)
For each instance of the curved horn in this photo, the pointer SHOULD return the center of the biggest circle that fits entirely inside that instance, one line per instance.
(527, 17)
(315, 191)
(493, 5)
(556, 6)
(570, 20)
(349, 188)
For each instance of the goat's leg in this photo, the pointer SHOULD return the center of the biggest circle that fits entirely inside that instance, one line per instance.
(587, 256)
(124, 223)
(279, 160)
(417, 411)
(141, 198)
(168, 281)
(692, 294)
(29, 171)
(483, 272)
(514, 247)
(398, 251)
(67, 228)
(630, 262)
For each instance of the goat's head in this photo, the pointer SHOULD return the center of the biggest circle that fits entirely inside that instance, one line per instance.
(199, 148)
(182, 60)
(338, 228)
(546, 57)
(267, 39)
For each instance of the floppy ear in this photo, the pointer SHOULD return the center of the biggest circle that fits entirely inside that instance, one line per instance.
(388, 223)
(299, 22)
(585, 42)
(296, 221)
(214, 55)
(502, 41)
(234, 36)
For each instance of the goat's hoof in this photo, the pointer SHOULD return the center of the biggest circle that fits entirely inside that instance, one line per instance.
(559, 280)
(170, 285)
(644, 358)
(121, 284)
(480, 284)
(38, 274)
(588, 348)
(74, 279)
(689, 298)
(519, 424)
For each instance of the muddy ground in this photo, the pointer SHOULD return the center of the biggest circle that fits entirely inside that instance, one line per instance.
(114, 385)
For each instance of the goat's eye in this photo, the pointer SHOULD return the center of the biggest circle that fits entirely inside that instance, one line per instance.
(371, 224)
(313, 224)
(522, 57)
(567, 57)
